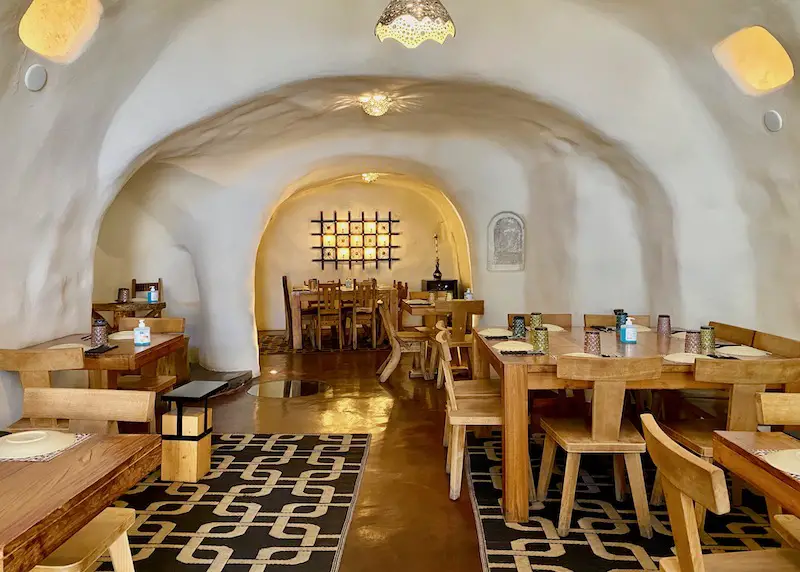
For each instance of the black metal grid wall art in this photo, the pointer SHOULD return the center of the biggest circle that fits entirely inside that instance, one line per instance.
(356, 240)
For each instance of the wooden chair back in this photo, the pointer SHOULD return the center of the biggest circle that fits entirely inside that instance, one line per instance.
(686, 479)
(746, 378)
(156, 325)
(610, 320)
(145, 287)
(35, 366)
(329, 298)
(88, 410)
(735, 334)
(364, 296)
(461, 312)
(402, 289)
(386, 321)
(609, 377)
(563, 320)
(778, 408)
(287, 306)
(445, 357)
(783, 347)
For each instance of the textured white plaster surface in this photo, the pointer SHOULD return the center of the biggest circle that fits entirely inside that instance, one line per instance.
(607, 125)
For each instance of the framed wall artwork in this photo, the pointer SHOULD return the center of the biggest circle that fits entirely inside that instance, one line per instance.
(356, 240)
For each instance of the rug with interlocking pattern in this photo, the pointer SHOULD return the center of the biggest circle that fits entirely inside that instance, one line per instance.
(604, 536)
(269, 343)
(270, 502)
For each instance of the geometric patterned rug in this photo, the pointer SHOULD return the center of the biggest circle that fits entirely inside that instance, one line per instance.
(270, 502)
(604, 535)
(278, 344)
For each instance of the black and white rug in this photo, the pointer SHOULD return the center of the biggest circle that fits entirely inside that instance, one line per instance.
(604, 536)
(270, 502)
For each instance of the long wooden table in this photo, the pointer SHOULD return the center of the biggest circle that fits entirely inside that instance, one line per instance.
(735, 450)
(105, 368)
(44, 504)
(302, 299)
(522, 373)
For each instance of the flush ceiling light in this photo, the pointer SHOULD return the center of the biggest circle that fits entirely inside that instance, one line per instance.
(59, 29)
(755, 60)
(411, 22)
(375, 104)
(369, 177)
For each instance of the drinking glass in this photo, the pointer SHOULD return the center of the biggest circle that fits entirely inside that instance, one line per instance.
(123, 295)
(518, 327)
(99, 333)
(707, 340)
(664, 325)
(692, 345)
(591, 342)
(536, 320)
(541, 340)
(622, 317)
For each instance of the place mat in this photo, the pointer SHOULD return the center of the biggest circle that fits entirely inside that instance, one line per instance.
(496, 333)
(513, 347)
(679, 335)
(642, 328)
(124, 335)
(84, 347)
(579, 354)
(553, 328)
(684, 357)
(417, 302)
(769, 456)
(741, 351)
(79, 438)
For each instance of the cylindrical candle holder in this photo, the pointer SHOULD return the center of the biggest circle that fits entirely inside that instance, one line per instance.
(591, 342)
(518, 327)
(536, 320)
(541, 340)
(664, 325)
(123, 295)
(692, 345)
(99, 333)
(707, 340)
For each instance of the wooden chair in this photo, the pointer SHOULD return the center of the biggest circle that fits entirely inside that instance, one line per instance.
(746, 378)
(778, 408)
(175, 364)
(609, 432)
(363, 312)
(329, 311)
(402, 294)
(137, 287)
(610, 320)
(35, 367)
(107, 532)
(787, 526)
(84, 410)
(563, 320)
(306, 315)
(735, 334)
(688, 480)
(784, 347)
(462, 314)
(474, 405)
(402, 343)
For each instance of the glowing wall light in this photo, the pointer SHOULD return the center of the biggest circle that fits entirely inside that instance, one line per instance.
(375, 104)
(755, 60)
(59, 29)
(411, 22)
(369, 177)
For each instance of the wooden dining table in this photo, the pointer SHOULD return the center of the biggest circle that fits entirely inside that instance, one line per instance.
(42, 504)
(104, 369)
(303, 298)
(519, 374)
(738, 451)
(128, 309)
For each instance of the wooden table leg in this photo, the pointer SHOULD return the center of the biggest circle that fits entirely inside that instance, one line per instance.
(516, 460)
(480, 362)
(297, 323)
(103, 379)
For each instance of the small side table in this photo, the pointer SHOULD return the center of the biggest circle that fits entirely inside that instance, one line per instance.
(186, 432)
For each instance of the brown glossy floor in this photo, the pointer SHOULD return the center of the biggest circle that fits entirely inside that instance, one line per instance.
(404, 519)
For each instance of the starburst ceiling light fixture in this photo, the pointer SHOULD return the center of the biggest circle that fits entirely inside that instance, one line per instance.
(369, 177)
(375, 104)
(411, 22)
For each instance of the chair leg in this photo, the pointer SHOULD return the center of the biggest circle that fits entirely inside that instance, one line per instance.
(457, 446)
(546, 470)
(354, 331)
(447, 429)
(773, 508)
(391, 363)
(384, 364)
(633, 462)
(448, 463)
(657, 497)
(440, 377)
(374, 332)
(619, 478)
(431, 366)
(531, 484)
(121, 557)
(568, 492)
(737, 488)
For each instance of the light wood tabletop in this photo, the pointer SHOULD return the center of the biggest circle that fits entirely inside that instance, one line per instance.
(736, 451)
(427, 309)
(44, 504)
(522, 373)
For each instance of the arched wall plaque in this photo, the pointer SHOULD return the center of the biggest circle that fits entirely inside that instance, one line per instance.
(506, 239)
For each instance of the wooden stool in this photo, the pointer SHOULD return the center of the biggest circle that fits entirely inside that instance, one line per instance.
(108, 531)
(186, 432)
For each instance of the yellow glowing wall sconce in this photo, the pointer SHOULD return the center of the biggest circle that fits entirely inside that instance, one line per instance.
(755, 60)
(59, 30)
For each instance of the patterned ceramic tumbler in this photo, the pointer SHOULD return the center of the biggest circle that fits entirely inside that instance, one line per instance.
(664, 325)
(99, 333)
(591, 342)
(541, 340)
(536, 320)
(707, 340)
(518, 327)
(622, 317)
(692, 345)
(123, 295)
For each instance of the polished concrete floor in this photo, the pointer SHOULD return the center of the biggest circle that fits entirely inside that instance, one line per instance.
(404, 520)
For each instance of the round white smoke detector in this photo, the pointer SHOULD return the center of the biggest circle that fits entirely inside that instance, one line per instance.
(35, 77)
(773, 121)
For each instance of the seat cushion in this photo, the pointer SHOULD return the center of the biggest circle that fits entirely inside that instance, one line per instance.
(694, 434)
(782, 560)
(476, 387)
(574, 435)
(486, 410)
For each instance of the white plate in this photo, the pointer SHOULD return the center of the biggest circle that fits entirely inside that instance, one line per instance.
(84, 347)
(579, 354)
(33, 443)
(787, 461)
(513, 347)
(124, 335)
(553, 328)
(495, 332)
(679, 335)
(741, 351)
(684, 357)
(417, 302)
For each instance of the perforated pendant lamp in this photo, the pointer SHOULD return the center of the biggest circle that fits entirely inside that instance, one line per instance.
(411, 22)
